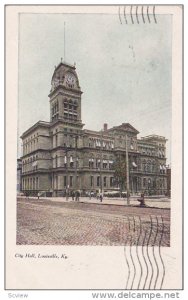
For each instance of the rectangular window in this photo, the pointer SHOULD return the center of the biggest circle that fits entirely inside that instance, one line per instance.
(91, 180)
(98, 180)
(71, 179)
(65, 181)
(105, 181)
(111, 181)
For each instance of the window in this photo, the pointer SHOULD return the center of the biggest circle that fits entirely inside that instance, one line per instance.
(71, 180)
(105, 181)
(98, 163)
(91, 181)
(98, 180)
(65, 181)
(144, 182)
(91, 163)
(105, 164)
(111, 181)
(71, 162)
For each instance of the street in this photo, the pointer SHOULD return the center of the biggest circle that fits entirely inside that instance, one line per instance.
(60, 222)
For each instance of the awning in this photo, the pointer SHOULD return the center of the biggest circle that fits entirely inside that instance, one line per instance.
(164, 168)
(161, 168)
(132, 147)
(71, 159)
(111, 162)
(134, 164)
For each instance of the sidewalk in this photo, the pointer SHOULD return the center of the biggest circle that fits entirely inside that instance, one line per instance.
(155, 203)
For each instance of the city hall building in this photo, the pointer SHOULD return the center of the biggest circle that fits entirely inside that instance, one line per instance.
(61, 155)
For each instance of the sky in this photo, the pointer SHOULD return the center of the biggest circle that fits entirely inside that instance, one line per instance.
(124, 70)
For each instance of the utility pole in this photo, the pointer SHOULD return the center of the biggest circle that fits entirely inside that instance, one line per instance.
(76, 146)
(127, 170)
(101, 163)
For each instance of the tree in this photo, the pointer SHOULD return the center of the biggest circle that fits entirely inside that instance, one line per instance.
(120, 174)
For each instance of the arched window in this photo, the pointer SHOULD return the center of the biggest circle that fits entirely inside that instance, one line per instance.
(149, 166)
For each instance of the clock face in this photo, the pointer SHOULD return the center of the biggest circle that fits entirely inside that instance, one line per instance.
(70, 80)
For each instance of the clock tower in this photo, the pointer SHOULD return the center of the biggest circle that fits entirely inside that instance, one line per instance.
(65, 95)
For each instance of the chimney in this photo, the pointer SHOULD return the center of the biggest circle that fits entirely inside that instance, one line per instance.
(105, 126)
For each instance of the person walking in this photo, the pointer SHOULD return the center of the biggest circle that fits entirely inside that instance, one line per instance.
(73, 195)
(101, 197)
(78, 195)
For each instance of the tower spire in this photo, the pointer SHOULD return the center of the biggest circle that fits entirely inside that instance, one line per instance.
(64, 42)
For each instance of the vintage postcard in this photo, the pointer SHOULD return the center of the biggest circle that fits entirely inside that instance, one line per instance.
(94, 147)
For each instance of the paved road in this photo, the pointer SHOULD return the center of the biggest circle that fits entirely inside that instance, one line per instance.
(55, 222)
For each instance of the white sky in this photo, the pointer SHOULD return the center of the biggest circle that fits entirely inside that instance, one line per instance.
(124, 70)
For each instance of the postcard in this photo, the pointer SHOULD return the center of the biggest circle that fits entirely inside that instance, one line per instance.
(94, 147)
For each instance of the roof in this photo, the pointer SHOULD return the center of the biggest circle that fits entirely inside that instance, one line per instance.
(153, 137)
(35, 126)
(124, 127)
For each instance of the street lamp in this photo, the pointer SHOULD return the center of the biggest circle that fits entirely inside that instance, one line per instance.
(67, 185)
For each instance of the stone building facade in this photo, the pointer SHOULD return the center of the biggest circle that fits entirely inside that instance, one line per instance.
(61, 155)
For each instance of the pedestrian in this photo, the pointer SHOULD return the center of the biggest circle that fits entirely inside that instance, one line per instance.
(78, 195)
(101, 197)
(38, 195)
(75, 194)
